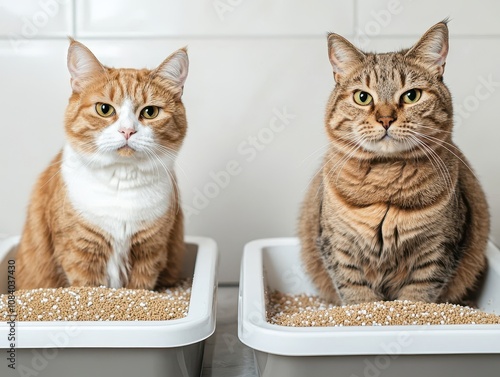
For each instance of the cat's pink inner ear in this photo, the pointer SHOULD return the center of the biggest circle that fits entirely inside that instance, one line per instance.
(432, 48)
(343, 55)
(175, 68)
(83, 66)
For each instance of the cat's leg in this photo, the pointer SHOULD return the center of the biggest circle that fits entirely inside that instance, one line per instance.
(35, 265)
(352, 286)
(146, 261)
(315, 267)
(467, 280)
(473, 264)
(175, 252)
(83, 252)
(156, 253)
(310, 241)
(424, 291)
(346, 271)
(429, 275)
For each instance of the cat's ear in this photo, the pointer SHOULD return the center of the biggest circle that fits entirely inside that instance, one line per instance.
(82, 65)
(432, 48)
(343, 55)
(175, 69)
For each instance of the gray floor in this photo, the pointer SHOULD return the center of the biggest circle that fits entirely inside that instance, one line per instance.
(225, 355)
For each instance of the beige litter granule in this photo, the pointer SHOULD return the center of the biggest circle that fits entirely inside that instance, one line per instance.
(309, 311)
(99, 304)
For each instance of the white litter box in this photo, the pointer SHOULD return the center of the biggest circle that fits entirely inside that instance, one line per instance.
(119, 349)
(391, 351)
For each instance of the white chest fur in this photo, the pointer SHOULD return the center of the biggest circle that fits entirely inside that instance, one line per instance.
(120, 198)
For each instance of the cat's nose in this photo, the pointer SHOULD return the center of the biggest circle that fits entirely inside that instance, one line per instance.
(385, 121)
(127, 132)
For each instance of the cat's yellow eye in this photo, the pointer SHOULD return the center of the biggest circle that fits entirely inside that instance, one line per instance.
(150, 112)
(362, 98)
(411, 96)
(105, 110)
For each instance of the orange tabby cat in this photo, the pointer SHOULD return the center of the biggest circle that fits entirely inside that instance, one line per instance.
(106, 211)
(395, 212)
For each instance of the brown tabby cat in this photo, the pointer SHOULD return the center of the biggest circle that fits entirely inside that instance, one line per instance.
(395, 212)
(106, 211)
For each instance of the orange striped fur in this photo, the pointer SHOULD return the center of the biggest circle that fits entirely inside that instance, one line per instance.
(395, 212)
(106, 211)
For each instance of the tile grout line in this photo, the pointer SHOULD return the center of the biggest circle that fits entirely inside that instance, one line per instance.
(238, 37)
(73, 16)
(355, 6)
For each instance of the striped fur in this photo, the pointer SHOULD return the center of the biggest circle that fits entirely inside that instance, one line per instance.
(106, 211)
(396, 213)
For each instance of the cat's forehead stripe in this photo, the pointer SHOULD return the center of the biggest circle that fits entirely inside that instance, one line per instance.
(402, 78)
(127, 84)
(112, 92)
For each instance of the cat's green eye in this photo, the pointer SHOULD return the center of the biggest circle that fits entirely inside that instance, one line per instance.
(411, 96)
(362, 98)
(150, 112)
(103, 109)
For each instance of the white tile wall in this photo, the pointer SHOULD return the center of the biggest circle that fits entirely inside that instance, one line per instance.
(212, 18)
(21, 21)
(411, 17)
(260, 59)
(33, 94)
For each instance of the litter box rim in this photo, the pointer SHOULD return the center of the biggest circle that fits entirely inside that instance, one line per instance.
(198, 325)
(255, 332)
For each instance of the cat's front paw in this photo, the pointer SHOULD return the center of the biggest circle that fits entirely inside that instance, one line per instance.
(416, 296)
(357, 295)
(83, 282)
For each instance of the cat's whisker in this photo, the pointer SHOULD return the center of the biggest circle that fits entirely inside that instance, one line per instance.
(320, 149)
(157, 163)
(157, 160)
(450, 180)
(357, 146)
(84, 149)
(95, 157)
(437, 141)
(172, 154)
(412, 149)
(318, 171)
(440, 166)
(431, 154)
(59, 171)
(172, 179)
(53, 175)
(352, 144)
(51, 178)
(433, 128)
(164, 147)
(434, 138)
(442, 143)
(167, 152)
(153, 163)
(57, 162)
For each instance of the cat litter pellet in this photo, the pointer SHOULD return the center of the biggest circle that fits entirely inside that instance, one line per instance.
(99, 304)
(308, 311)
